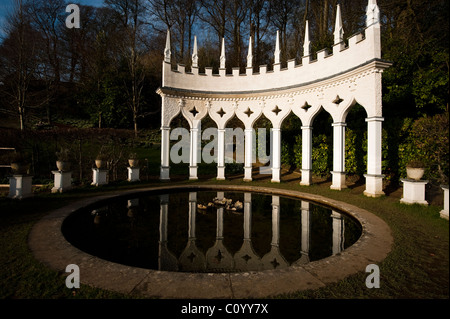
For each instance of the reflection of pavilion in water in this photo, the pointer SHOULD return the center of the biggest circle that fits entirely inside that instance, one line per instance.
(219, 259)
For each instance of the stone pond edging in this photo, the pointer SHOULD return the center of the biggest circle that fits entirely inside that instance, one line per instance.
(49, 246)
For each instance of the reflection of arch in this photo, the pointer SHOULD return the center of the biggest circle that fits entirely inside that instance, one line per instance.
(246, 258)
(334, 82)
(218, 257)
(274, 259)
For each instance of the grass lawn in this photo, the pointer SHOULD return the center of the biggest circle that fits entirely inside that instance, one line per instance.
(417, 267)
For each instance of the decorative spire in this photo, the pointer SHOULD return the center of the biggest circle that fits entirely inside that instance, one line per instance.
(338, 29)
(222, 55)
(250, 54)
(195, 54)
(167, 52)
(306, 43)
(372, 13)
(277, 49)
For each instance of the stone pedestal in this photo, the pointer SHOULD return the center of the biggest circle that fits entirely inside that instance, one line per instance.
(133, 174)
(338, 180)
(374, 185)
(20, 186)
(99, 176)
(444, 212)
(414, 192)
(63, 181)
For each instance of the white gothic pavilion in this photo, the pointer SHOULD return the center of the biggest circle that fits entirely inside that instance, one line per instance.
(333, 82)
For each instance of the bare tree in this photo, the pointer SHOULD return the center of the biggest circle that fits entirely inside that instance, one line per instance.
(47, 17)
(130, 12)
(18, 59)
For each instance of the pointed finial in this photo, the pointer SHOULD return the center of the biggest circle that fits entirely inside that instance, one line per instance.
(250, 54)
(167, 52)
(338, 29)
(372, 13)
(195, 54)
(306, 43)
(222, 55)
(277, 49)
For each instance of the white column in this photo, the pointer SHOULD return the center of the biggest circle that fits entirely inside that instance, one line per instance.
(193, 154)
(165, 144)
(248, 154)
(221, 154)
(306, 155)
(192, 214)
(305, 218)
(163, 211)
(374, 178)
(247, 216)
(338, 173)
(276, 155)
(444, 213)
(275, 221)
(338, 233)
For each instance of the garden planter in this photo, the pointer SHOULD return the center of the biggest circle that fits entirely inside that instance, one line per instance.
(99, 163)
(414, 173)
(133, 162)
(63, 166)
(20, 168)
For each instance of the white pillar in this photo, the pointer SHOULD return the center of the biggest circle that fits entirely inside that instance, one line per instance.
(248, 133)
(374, 178)
(20, 186)
(444, 213)
(193, 154)
(306, 155)
(165, 144)
(276, 155)
(338, 233)
(338, 173)
(62, 181)
(221, 154)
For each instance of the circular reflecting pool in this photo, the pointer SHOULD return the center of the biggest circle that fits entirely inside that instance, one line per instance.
(210, 231)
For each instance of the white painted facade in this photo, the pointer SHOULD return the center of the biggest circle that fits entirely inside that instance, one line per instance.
(334, 82)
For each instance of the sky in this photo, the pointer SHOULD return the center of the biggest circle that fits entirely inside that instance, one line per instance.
(7, 5)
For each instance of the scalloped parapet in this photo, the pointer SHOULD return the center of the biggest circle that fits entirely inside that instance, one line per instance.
(361, 49)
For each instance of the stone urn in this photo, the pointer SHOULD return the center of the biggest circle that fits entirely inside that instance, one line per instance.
(415, 173)
(63, 166)
(133, 162)
(101, 160)
(99, 163)
(20, 168)
(415, 170)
